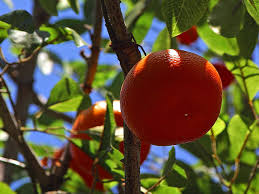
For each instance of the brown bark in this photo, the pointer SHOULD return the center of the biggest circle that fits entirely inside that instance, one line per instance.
(23, 77)
(128, 54)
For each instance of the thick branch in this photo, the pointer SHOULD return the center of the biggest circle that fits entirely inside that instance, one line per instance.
(128, 55)
(12, 128)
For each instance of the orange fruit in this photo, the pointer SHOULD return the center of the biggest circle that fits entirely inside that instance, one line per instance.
(92, 117)
(82, 170)
(188, 36)
(171, 97)
(226, 76)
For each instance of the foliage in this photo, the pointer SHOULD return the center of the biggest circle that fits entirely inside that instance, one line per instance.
(228, 32)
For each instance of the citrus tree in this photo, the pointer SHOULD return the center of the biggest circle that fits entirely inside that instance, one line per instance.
(191, 83)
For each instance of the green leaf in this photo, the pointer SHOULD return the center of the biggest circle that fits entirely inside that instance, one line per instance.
(252, 7)
(109, 125)
(247, 37)
(19, 19)
(253, 141)
(42, 150)
(217, 43)
(104, 73)
(246, 74)
(74, 5)
(4, 25)
(177, 177)
(237, 131)
(241, 105)
(170, 162)
(218, 127)
(162, 189)
(76, 37)
(62, 34)
(163, 41)
(6, 189)
(227, 16)
(64, 90)
(75, 24)
(44, 120)
(180, 15)
(115, 86)
(138, 20)
(67, 96)
(25, 189)
(88, 9)
(75, 183)
(50, 6)
(85, 103)
(200, 148)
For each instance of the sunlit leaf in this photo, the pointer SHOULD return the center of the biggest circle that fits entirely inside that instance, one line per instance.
(217, 43)
(237, 131)
(6, 189)
(252, 7)
(180, 15)
(218, 127)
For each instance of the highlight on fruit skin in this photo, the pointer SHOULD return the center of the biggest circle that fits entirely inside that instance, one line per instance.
(226, 76)
(188, 36)
(171, 97)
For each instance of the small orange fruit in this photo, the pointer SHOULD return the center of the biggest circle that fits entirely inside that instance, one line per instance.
(171, 97)
(188, 36)
(92, 117)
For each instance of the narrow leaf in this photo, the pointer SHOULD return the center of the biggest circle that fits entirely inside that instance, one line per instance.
(74, 5)
(170, 162)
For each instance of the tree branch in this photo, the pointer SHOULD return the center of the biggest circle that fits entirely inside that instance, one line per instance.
(92, 61)
(128, 55)
(12, 128)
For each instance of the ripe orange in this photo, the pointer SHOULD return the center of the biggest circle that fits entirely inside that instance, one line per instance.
(226, 76)
(188, 36)
(89, 118)
(82, 170)
(171, 97)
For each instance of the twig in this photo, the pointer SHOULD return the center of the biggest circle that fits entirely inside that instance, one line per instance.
(2, 81)
(92, 61)
(252, 175)
(156, 184)
(47, 131)
(12, 162)
(35, 170)
(237, 160)
(214, 150)
(221, 179)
